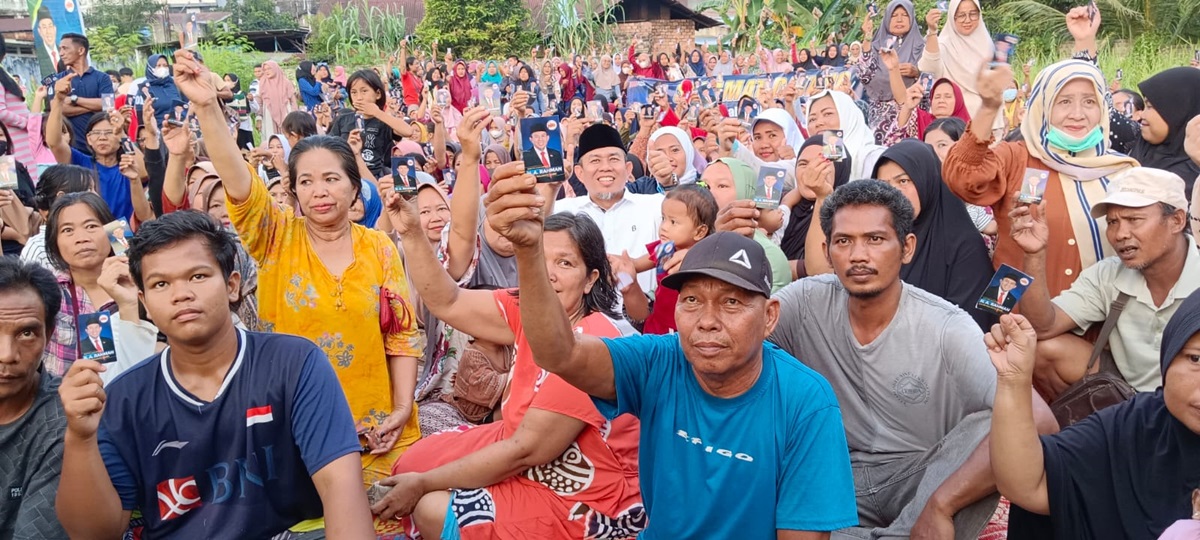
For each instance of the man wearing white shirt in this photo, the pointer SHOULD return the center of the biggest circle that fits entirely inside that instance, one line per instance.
(629, 221)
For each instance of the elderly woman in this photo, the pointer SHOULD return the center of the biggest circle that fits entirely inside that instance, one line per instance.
(1066, 133)
(323, 277)
(1128, 471)
(552, 455)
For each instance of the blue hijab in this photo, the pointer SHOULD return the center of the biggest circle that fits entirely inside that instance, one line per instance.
(372, 205)
(162, 89)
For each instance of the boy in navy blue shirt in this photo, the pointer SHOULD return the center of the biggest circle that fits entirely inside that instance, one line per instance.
(738, 439)
(226, 433)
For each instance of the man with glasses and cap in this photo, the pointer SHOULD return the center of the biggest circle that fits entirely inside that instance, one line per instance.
(758, 435)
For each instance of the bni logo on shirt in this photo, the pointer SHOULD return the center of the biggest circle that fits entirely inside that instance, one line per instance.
(258, 415)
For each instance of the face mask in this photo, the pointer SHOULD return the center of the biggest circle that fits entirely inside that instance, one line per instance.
(161, 72)
(1061, 140)
(644, 65)
(627, 70)
(496, 134)
(1010, 95)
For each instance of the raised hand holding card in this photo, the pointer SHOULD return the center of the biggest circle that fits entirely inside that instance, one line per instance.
(1033, 186)
(1004, 290)
(542, 147)
(768, 191)
(96, 337)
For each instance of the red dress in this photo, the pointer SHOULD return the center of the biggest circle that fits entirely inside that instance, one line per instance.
(590, 491)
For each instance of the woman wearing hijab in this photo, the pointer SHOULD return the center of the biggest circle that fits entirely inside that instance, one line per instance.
(900, 27)
(277, 98)
(774, 138)
(1171, 102)
(1065, 133)
(339, 76)
(14, 114)
(608, 79)
(731, 180)
(832, 110)
(310, 87)
(833, 57)
(945, 101)
(460, 86)
(494, 156)
(802, 200)
(573, 85)
(161, 85)
(804, 61)
(1129, 471)
(527, 81)
(491, 74)
(673, 146)
(963, 46)
(855, 56)
(695, 65)
(951, 259)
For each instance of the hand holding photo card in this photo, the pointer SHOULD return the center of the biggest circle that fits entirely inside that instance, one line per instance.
(1033, 187)
(1006, 46)
(117, 236)
(127, 146)
(404, 176)
(442, 96)
(662, 255)
(768, 191)
(943, 6)
(449, 176)
(1004, 290)
(593, 110)
(926, 81)
(8, 173)
(108, 102)
(872, 10)
(833, 146)
(96, 337)
(541, 149)
(748, 109)
(890, 44)
(1092, 11)
(358, 121)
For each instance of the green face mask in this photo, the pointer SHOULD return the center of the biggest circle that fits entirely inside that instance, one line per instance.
(1061, 140)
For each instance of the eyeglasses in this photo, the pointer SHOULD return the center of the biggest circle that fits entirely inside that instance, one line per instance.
(968, 16)
(105, 134)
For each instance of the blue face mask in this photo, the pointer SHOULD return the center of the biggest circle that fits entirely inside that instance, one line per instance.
(1010, 95)
(1061, 140)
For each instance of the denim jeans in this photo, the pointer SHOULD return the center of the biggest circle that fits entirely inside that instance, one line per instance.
(892, 495)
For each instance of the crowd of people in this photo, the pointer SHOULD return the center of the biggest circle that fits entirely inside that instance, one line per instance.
(384, 320)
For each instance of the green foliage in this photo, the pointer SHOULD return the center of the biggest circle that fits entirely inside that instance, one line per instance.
(110, 45)
(125, 16)
(772, 20)
(355, 34)
(227, 35)
(1171, 20)
(577, 25)
(478, 29)
(251, 15)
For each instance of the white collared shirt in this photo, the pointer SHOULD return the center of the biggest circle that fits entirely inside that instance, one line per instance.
(629, 225)
(1137, 338)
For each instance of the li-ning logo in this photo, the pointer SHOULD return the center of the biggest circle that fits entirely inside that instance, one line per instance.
(178, 445)
(741, 259)
(177, 496)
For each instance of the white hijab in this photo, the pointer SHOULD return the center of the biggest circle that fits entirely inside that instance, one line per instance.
(689, 152)
(962, 56)
(780, 117)
(856, 134)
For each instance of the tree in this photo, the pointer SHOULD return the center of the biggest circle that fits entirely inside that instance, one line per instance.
(478, 29)
(251, 15)
(108, 44)
(355, 34)
(124, 16)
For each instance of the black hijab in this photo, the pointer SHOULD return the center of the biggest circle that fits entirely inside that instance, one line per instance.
(951, 260)
(1174, 96)
(834, 61)
(1127, 471)
(795, 236)
(805, 65)
(304, 72)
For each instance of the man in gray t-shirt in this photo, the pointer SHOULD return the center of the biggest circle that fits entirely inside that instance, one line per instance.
(911, 373)
(31, 415)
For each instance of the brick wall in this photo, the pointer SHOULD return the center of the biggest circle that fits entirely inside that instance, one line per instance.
(660, 35)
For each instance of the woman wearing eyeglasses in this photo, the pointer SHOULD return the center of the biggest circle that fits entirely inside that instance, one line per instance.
(963, 46)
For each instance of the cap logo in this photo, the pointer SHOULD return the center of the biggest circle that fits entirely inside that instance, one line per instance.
(741, 259)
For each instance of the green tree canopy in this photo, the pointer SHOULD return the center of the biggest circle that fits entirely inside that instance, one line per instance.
(478, 29)
(251, 15)
(123, 16)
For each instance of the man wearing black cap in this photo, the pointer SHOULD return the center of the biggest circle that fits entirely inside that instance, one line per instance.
(738, 439)
(538, 155)
(629, 221)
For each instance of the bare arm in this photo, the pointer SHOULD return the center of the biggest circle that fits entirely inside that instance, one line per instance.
(54, 125)
(87, 503)
(347, 514)
(1031, 233)
(192, 80)
(783, 534)
(464, 206)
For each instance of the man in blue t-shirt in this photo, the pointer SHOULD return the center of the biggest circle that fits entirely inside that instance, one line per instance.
(226, 433)
(738, 439)
(83, 98)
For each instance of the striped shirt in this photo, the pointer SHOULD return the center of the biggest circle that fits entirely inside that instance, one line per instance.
(15, 115)
(35, 249)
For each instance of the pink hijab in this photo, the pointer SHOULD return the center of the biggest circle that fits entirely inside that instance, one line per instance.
(339, 75)
(460, 87)
(276, 91)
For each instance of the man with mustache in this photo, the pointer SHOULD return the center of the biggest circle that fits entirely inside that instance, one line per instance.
(1156, 265)
(31, 415)
(909, 369)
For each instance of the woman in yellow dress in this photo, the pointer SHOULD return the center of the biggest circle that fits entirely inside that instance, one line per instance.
(321, 277)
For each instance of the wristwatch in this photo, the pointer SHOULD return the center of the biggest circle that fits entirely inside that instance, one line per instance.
(74, 99)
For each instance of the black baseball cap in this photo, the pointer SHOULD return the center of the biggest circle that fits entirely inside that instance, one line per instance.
(729, 257)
